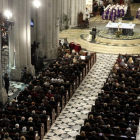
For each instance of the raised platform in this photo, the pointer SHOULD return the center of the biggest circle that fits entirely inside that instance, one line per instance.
(102, 45)
(123, 40)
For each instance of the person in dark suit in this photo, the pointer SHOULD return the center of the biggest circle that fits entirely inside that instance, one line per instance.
(52, 101)
(43, 115)
(21, 97)
(16, 129)
(34, 115)
(15, 112)
(29, 99)
(4, 119)
(122, 124)
(86, 128)
(101, 9)
(13, 121)
(32, 107)
(94, 30)
(38, 123)
(31, 131)
(23, 122)
(24, 130)
(93, 137)
(82, 136)
(49, 108)
(16, 137)
(30, 122)
(26, 114)
(22, 105)
(6, 80)
(133, 126)
(117, 131)
(41, 107)
(6, 136)
(7, 128)
(100, 120)
(107, 130)
(129, 133)
(90, 119)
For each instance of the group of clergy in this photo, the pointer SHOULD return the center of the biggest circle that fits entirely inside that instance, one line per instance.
(112, 12)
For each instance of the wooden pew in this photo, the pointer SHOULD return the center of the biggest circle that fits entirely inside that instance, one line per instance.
(28, 137)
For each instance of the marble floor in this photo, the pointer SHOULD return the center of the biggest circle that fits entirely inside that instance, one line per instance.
(15, 88)
(68, 124)
(101, 46)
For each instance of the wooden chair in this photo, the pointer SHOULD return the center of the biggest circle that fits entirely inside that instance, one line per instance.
(82, 23)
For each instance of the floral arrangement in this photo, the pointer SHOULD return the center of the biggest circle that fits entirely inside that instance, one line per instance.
(118, 33)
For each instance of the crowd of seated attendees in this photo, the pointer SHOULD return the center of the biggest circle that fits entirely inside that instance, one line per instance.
(115, 115)
(24, 114)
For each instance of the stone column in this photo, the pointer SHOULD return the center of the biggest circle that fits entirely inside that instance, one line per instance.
(73, 13)
(84, 9)
(77, 11)
(60, 15)
(30, 67)
(22, 43)
(48, 28)
(3, 94)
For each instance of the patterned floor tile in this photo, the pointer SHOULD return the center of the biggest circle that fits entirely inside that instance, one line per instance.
(71, 119)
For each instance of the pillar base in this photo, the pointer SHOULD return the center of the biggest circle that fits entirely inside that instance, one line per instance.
(16, 74)
(3, 96)
(50, 54)
(31, 70)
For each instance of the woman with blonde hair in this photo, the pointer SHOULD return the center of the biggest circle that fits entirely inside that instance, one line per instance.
(67, 55)
(74, 60)
(22, 138)
(100, 121)
(6, 136)
(130, 60)
(90, 119)
(82, 136)
(117, 67)
(52, 101)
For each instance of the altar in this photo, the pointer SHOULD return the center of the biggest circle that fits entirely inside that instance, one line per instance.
(126, 28)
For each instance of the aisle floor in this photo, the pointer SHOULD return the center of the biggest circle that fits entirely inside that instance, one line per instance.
(68, 124)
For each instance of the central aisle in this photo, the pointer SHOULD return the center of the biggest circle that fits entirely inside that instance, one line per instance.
(68, 124)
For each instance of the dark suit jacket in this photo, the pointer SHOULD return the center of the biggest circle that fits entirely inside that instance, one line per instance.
(107, 131)
(78, 137)
(15, 138)
(93, 138)
(13, 122)
(30, 123)
(34, 116)
(30, 132)
(123, 125)
(6, 80)
(23, 123)
(16, 130)
(43, 116)
(27, 114)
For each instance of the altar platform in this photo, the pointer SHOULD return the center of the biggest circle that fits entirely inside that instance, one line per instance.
(102, 44)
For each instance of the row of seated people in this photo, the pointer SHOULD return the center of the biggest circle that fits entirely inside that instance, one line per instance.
(38, 102)
(16, 137)
(116, 111)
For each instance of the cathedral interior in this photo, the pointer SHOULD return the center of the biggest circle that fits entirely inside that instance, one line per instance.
(60, 82)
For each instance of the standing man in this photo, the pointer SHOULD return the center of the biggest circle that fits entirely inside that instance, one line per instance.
(101, 9)
(6, 80)
(95, 8)
(94, 30)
